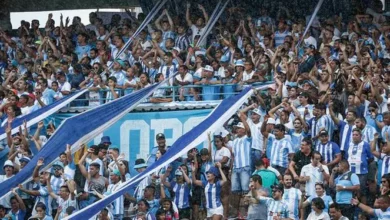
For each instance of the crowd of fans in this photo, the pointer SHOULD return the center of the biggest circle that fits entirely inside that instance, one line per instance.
(314, 145)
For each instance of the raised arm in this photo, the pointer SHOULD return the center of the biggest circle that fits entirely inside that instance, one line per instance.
(188, 18)
(83, 170)
(373, 145)
(49, 189)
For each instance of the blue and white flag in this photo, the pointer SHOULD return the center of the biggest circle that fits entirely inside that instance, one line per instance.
(40, 114)
(77, 130)
(191, 139)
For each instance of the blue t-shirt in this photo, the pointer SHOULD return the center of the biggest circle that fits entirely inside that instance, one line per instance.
(346, 179)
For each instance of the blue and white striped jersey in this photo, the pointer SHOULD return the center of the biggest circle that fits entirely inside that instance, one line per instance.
(345, 134)
(292, 197)
(385, 164)
(328, 151)
(45, 198)
(117, 206)
(182, 194)
(381, 214)
(275, 208)
(242, 152)
(358, 156)
(213, 194)
(280, 150)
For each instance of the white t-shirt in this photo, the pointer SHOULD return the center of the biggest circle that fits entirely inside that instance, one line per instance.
(223, 152)
(315, 176)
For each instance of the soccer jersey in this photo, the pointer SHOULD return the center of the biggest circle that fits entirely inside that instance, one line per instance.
(280, 150)
(181, 194)
(358, 155)
(213, 194)
(117, 206)
(64, 204)
(296, 138)
(382, 215)
(328, 151)
(292, 197)
(345, 134)
(385, 164)
(241, 151)
(275, 208)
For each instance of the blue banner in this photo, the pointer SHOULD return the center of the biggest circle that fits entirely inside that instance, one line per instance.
(79, 129)
(135, 133)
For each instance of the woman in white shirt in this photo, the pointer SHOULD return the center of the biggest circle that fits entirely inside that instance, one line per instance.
(318, 207)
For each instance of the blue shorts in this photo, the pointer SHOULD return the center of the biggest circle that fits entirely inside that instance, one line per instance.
(240, 179)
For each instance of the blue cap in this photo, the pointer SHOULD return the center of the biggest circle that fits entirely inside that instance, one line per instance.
(224, 59)
(105, 139)
(214, 171)
(24, 159)
(239, 63)
(292, 84)
(116, 172)
(58, 163)
(120, 62)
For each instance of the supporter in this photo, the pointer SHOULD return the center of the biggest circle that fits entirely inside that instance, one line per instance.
(9, 172)
(212, 187)
(256, 208)
(291, 196)
(313, 172)
(329, 150)
(275, 205)
(64, 198)
(18, 209)
(346, 183)
(318, 210)
(320, 193)
(269, 177)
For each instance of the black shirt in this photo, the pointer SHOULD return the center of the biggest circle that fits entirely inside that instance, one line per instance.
(301, 160)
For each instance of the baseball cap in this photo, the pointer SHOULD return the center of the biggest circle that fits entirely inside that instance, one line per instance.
(278, 187)
(140, 163)
(120, 62)
(8, 163)
(24, 159)
(240, 125)
(178, 173)
(58, 163)
(271, 121)
(256, 111)
(208, 68)
(311, 46)
(214, 170)
(239, 63)
(116, 172)
(159, 136)
(177, 49)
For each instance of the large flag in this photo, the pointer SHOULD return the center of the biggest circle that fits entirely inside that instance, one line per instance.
(79, 129)
(40, 114)
(191, 139)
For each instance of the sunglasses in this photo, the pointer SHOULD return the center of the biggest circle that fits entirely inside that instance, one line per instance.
(8, 166)
(371, 110)
(56, 169)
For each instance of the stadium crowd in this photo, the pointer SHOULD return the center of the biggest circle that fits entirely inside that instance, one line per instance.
(314, 145)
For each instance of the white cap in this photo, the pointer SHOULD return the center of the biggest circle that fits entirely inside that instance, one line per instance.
(208, 68)
(178, 173)
(257, 111)
(222, 131)
(240, 125)
(271, 121)
(8, 163)
(177, 49)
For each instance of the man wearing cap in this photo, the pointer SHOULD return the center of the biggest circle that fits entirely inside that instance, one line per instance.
(257, 137)
(161, 144)
(209, 92)
(224, 63)
(241, 149)
(199, 75)
(116, 158)
(8, 168)
(329, 150)
(118, 73)
(276, 206)
(117, 206)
